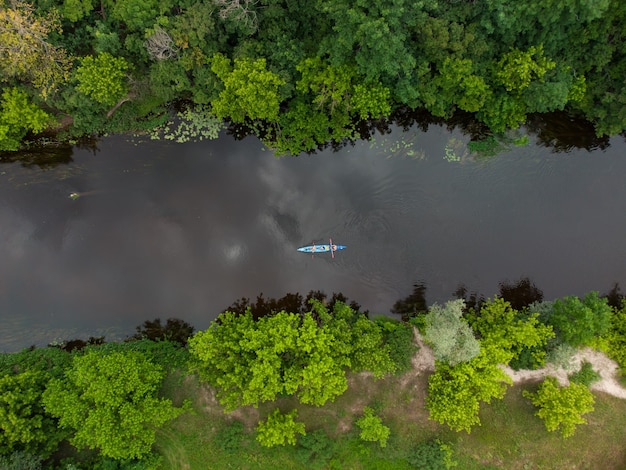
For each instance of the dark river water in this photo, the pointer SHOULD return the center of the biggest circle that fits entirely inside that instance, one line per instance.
(184, 230)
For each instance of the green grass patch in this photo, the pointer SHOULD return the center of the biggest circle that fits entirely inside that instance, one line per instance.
(511, 436)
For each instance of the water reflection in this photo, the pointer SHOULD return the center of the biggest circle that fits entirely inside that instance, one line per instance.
(519, 294)
(165, 230)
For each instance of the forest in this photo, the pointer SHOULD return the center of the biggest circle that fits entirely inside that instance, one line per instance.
(314, 382)
(302, 75)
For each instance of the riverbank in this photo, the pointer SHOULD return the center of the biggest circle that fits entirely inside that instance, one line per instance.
(510, 437)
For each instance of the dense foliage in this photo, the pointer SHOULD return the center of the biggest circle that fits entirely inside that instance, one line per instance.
(110, 403)
(451, 338)
(372, 427)
(303, 74)
(279, 429)
(307, 354)
(457, 390)
(108, 399)
(562, 407)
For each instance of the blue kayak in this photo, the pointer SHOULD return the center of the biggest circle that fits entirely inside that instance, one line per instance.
(321, 248)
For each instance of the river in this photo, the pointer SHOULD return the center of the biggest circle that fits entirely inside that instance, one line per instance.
(183, 230)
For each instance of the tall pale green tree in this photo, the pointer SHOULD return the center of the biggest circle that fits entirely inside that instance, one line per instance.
(451, 338)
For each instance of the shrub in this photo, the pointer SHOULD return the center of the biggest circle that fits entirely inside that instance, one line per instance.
(230, 437)
(451, 338)
(577, 322)
(585, 376)
(432, 455)
(315, 449)
(372, 428)
(279, 429)
(561, 407)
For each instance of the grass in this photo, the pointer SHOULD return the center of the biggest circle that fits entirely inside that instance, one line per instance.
(510, 437)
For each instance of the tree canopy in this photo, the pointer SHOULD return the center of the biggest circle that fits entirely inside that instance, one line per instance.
(24, 425)
(305, 74)
(305, 355)
(562, 407)
(111, 403)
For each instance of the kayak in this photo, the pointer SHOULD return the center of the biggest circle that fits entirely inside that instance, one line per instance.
(321, 248)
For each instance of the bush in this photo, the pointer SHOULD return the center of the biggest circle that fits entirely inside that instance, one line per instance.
(399, 337)
(432, 455)
(279, 429)
(315, 449)
(20, 461)
(561, 407)
(230, 437)
(616, 338)
(585, 376)
(577, 322)
(372, 428)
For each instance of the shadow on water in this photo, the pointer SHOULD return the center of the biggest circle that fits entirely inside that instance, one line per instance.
(559, 131)
(49, 156)
(519, 294)
(293, 303)
(563, 133)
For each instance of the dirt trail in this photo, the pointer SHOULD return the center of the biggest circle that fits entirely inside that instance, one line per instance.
(424, 360)
(601, 363)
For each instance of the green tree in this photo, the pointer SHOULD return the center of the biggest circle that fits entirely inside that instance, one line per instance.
(451, 338)
(372, 428)
(279, 429)
(111, 403)
(250, 90)
(76, 10)
(616, 337)
(18, 116)
(455, 392)
(138, 14)
(371, 101)
(456, 86)
(24, 425)
(510, 331)
(103, 78)
(254, 361)
(21, 461)
(373, 35)
(561, 407)
(577, 322)
(517, 69)
(369, 351)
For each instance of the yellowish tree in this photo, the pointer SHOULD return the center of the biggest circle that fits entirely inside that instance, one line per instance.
(25, 52)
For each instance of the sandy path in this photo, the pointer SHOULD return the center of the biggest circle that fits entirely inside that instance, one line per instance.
(424, 360)
(601, 363)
